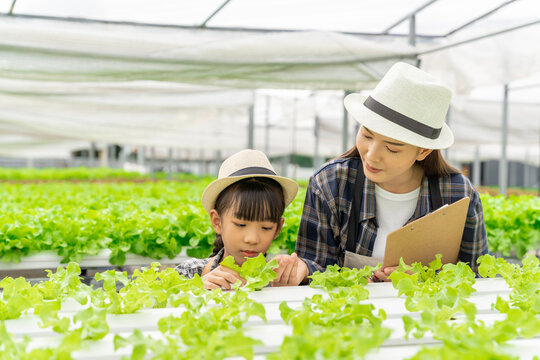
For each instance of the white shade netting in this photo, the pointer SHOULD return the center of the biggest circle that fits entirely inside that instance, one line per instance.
(71, 83)
(284, 121)
(70, 51)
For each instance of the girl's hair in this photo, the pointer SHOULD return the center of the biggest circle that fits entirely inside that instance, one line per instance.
(433, 165)
(251, 199)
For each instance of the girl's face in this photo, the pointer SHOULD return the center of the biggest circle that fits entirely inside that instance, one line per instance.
(390, 163)
(242, 238)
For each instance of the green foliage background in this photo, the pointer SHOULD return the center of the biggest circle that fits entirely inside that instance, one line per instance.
(160, 218)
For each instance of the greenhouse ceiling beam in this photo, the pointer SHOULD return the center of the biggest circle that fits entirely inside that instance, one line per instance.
(198, 27)
(479, 18)
(412, 30)
(12, 7)
(214, 13)
(458, 43)
(251, 128)
(407, 17)
(522, 87)
(354, 61)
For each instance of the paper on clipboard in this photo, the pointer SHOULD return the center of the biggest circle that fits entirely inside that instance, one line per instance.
(439, 232)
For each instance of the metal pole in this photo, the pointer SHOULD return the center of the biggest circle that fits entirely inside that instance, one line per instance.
(293, 130)
(214, 13)
(345, 129)
(285, 161)
(179, 160)
(217, 162)
(93, 156)
(10, 12)
(316, 157)
(293, 137)
(503, 163)
(217, 28)
(476, 167)
(251, 128)
(201, 162)
(152, 162)
(123, 155)
(170, 164)
(526, 172)
(478, 18)
(141, 155)
(387, 30)
(485, 36)
(412, 30)
(104, 158)
(111, 155)
(448, 116)
(267, 126)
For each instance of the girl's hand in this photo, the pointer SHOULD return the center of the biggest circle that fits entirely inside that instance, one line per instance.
(291, 270)
(221, 278)
(382, 274)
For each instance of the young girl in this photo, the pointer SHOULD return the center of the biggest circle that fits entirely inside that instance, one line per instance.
(393, 175)
(245, 205)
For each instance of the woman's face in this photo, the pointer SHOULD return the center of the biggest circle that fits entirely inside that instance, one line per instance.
(388, 162)
(243, 238)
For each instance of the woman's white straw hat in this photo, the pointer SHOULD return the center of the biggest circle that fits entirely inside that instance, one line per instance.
(242, 165)
(408, 105)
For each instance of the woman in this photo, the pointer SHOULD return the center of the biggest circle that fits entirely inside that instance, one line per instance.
(397, 174)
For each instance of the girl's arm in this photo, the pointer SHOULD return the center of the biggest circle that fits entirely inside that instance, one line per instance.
(220, 278)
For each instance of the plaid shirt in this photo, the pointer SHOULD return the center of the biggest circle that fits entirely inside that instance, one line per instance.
(193, 266)
(322, 236)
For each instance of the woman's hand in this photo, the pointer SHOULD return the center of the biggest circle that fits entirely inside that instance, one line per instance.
(291, 270)
(221, 278)
(382, 274)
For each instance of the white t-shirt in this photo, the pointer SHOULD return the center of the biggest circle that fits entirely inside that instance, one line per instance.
(393, 211)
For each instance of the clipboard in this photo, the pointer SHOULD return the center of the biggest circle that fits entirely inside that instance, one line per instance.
(439, 232)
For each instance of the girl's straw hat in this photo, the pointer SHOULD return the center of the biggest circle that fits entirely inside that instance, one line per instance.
(245, 164)
(408, 105)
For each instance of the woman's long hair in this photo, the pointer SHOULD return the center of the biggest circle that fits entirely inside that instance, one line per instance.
(251, 199)
(433, 165)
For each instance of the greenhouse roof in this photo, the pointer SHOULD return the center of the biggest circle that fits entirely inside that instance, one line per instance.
(185, 74)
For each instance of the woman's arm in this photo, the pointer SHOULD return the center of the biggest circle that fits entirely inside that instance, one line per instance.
(291, 271)
(315, 245)
(474, 241)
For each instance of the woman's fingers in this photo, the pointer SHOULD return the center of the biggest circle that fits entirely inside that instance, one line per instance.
(383, 273)
(285, 276)
(302, 272)
(282, 264)
(208, 285)
(380, 275)
(291, 270)
(293, 277)
(389, 270)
